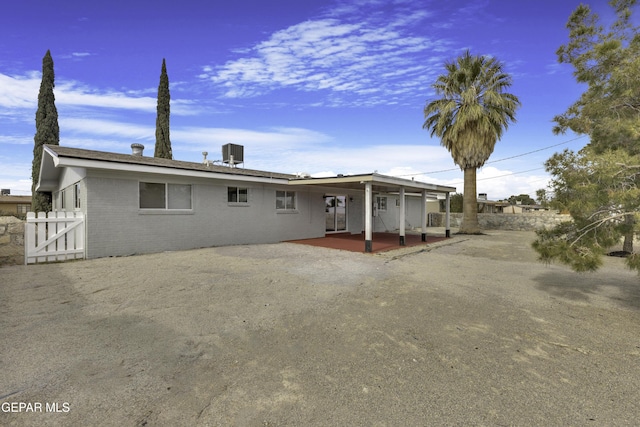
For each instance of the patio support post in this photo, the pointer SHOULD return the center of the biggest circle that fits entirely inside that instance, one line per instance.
(424, 215)
(368, 218)
(402, 217)
(447, 218)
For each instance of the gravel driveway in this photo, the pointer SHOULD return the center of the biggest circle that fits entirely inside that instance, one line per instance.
(471, 331)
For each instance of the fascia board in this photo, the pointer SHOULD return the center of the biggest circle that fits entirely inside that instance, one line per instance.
(114, 166)
(375, 179)
(332, 180)
(400, 182)
(49, 161)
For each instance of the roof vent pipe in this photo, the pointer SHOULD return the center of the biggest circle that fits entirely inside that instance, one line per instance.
(136, 149)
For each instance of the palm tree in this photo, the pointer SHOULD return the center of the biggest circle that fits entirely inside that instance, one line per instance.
(469, 117)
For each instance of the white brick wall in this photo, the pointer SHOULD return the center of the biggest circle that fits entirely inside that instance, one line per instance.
(117, 227)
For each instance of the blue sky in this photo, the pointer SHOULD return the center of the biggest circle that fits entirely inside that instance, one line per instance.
(317, 86)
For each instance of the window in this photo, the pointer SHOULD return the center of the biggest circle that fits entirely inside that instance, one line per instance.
(23, 209)
(152, 195)
(76, 195)
(237, 195)
(63, 203)
(381, 203)
(165, 196)
(285, 200)
(179, 196)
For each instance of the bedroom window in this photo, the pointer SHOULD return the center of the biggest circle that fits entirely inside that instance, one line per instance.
(285, 200)
(237, 195)
(155, 195)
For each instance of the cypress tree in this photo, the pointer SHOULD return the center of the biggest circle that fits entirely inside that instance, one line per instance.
(163, 143)
(47, 132)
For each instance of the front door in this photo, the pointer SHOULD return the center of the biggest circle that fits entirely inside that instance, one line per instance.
(335, 207)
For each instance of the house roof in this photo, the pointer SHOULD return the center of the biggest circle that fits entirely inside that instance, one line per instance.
(379, 183)
(15, 199)
(54, 157)
(493, 202)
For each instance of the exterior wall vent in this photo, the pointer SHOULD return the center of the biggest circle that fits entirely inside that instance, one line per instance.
(232, 154)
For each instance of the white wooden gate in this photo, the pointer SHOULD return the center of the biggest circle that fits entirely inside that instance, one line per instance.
(58, 236)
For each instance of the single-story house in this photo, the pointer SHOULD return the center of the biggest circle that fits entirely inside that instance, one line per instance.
(14, 205)
(519, 208)
(136, 204)
(490, 206)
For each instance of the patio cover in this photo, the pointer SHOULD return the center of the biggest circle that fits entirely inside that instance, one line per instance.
(375, 182)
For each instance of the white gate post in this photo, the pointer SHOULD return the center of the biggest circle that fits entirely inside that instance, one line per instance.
(41, 234)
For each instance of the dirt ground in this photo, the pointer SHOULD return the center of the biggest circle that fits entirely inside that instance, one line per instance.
(471, 331)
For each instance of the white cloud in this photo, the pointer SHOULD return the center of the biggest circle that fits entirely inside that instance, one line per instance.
(15, 176)
(320, 158)
(14, 170)
(105, 135)
(76, 56)
(18, 187)
(263, 141)
(348, 52)
(16, 139)
(21, 92)
(502, 183)
(556, 67)
(69, 93)
(497, 183)
(96, 127)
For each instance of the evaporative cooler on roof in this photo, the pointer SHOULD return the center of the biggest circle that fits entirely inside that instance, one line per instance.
(232, 154)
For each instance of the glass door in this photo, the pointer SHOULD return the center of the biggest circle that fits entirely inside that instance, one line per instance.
(335, 207)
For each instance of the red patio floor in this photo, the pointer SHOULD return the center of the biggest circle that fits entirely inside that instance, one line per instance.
(355, 242)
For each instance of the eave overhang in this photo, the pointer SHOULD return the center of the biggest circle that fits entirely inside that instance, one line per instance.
(380, 183)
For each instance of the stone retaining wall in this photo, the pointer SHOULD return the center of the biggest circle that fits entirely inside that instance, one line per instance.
(517, 222)
(11, 240)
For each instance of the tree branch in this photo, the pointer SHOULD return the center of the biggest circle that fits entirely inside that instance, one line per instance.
(596, 224)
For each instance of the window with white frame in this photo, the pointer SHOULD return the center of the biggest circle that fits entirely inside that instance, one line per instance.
(63, 202)
(237, 195)
(76, 195)
(285, 200)
(154, 195)
(381, 203)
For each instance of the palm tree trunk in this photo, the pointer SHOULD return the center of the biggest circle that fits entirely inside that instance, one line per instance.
(469, 204)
